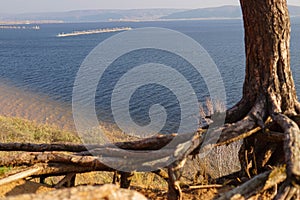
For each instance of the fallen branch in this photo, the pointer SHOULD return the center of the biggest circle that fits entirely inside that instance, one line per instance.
(258, 184)
(51, 157)
(153, 143)
(59, 169)
(21, 175)
(201, 187)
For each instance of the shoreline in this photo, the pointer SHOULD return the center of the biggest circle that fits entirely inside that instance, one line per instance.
(41, 109)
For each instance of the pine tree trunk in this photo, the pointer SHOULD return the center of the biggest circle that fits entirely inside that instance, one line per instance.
(269, 90)
(268, 73)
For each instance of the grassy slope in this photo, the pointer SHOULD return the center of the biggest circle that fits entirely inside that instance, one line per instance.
(20, 130)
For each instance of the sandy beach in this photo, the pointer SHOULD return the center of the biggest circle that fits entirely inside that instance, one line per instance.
(15, 102)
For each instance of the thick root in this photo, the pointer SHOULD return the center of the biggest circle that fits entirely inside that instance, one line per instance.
(175, 172)
(291, 145)
(256, 185)
(288, 192)
(297, 107)
(252, 123)
(239, 111)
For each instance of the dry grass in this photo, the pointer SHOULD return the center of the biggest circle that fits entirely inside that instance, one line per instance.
(20, 130)
(219, 162)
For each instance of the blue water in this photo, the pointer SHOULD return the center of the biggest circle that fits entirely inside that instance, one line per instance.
(40, 62)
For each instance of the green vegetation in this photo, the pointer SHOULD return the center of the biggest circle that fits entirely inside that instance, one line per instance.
(20, 130)
(4, 170)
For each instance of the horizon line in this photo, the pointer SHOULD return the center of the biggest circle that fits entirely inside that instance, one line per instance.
(126, 9)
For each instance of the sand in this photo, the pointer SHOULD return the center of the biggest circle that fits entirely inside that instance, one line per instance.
(23, 187)
(15, 102)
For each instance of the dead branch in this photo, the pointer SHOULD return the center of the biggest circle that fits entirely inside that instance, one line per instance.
(51, 157)
(50, 169)
(44, 147)
(256, 185)
(153, 143)
(59, 169)
(21, 175)
(120, 153)
(200, 187)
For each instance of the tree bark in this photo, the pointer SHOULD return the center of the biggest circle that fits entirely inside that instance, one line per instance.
(267, 46)
(269, 86)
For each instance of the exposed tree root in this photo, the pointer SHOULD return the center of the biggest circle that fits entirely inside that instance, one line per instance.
(297, 107)
(239, 111)
(265, 143)
(253, 122)
(287, 192)
(291, 145)
(67, 181)
(254, 128)
(256, 185)
(290, 189)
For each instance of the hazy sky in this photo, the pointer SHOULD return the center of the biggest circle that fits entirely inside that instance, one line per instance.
(21, 6)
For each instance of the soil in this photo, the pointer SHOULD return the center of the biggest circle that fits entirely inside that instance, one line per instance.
(30, 187)
(23, 187)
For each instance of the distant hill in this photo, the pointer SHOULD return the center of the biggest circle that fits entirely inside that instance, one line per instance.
(94, 15)
(134, 15)
(218, 12)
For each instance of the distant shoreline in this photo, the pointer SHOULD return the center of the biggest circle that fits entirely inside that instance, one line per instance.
(180, 19)
(29, 22)
(222, 12)
(13, 23)
(19, 27)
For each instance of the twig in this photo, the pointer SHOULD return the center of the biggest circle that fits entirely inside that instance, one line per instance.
(205, 186)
